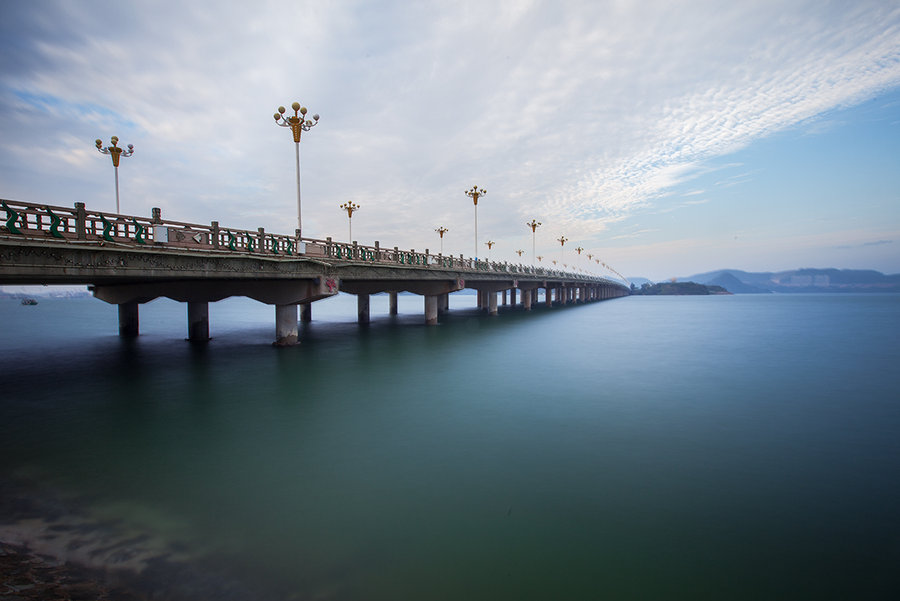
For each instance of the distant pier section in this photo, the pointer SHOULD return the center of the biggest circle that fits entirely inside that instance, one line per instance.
(129, 260)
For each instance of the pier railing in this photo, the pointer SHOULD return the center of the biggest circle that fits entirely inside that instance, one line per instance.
(78, 225)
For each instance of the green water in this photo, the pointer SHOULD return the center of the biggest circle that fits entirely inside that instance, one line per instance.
(741, 447)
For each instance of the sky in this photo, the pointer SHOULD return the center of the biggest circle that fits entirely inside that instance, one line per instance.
(665, 138)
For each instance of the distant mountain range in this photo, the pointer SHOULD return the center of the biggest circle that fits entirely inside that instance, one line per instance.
(797, 280)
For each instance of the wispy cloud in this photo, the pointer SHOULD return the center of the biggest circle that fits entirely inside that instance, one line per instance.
(866, 244)
(577, 114)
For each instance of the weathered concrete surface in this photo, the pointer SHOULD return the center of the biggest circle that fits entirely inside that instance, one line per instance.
(427, 287)
(271, 292)
(74, 263)
(286, 327)
(431, 310)
(198, 321)
(128, 320)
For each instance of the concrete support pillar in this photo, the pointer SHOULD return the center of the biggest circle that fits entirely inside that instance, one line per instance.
(512, 297)
(198, 321)
(492, 303)
(128, 320)
(504, 299)
(286, 325)
(548, 296)
(444, 303)
(526, 299)
(431, 309)
(306, 312)
(362, 308)
(393, 303)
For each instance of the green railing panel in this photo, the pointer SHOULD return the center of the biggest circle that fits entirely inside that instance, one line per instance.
(11, 218)
(107, 228)
(55, 222)
(138, 232)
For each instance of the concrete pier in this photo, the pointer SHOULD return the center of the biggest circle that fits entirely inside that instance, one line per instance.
(362, 308)
(393, 303)
(306, 312)
(526, 298)
(512, 297)
(492, 303)
(198, 321)
(128, 320)
(286, 326)
(431, 309)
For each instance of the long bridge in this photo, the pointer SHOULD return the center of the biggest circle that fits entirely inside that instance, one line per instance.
(129, 260)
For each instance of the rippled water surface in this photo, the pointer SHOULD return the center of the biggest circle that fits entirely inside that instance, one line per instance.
(724, 447)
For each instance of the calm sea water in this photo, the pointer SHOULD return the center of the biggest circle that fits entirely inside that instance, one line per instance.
(723, 447)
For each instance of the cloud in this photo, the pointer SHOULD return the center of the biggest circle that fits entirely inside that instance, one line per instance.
(866, 244)
(577, 114)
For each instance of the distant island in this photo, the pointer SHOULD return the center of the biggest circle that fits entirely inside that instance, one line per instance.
(805, 280)
(676, 289)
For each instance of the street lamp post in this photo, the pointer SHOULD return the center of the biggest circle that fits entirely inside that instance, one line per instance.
(534, 225)
(578, 260)
(115, 154)
(350, 207)
(441, 231)
(475, 193)
(562, 242)
(298, 124)
(490, 244)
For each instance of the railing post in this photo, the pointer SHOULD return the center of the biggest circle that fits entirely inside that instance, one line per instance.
(214, 232)
(397, 255)
(261, 239)
(355, 250)
(80, 221)
(426, 257)
(377, 251)
(328, 247)
(156, 217)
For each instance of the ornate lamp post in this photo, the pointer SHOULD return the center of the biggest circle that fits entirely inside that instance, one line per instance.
(578, 260)
(441, 231)
(562, 242)
(475, 193)
(115, 153)
(520, 253)
(534, 225)
(540, 257)
(350, 208)
(298, 124)
(490, 244)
